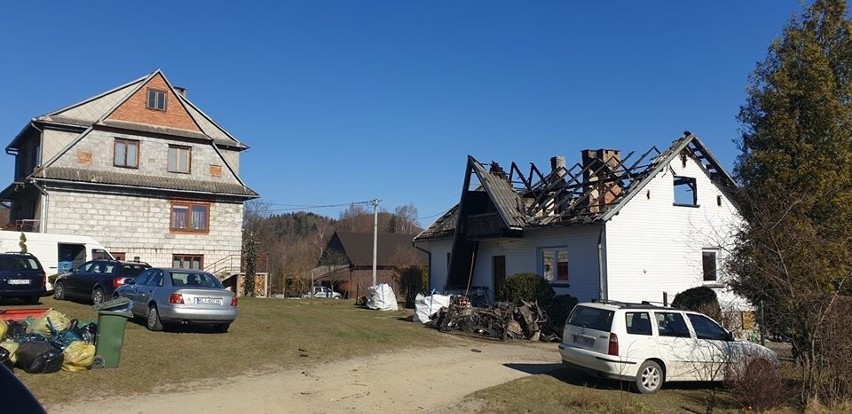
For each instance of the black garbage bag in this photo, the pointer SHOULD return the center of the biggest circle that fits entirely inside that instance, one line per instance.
(38, 357)
(88, 331)
(4, 357)
(15, 329)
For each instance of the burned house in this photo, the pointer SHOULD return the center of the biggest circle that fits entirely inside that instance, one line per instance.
(615, 226)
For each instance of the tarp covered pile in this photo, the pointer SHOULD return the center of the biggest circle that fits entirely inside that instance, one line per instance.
(47, 343)
(381, 297)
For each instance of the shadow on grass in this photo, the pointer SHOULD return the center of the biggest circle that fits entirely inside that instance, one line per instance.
(535, 368)
(180, 328)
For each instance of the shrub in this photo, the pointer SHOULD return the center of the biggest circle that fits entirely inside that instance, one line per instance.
(559, 310)
(759, 386)
(700, 299)
(412, 280)
(526, 286)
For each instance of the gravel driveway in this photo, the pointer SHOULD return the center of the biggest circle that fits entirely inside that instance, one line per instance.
(421, 380)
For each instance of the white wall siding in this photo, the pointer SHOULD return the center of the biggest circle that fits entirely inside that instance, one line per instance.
(139, 226)
(654, 246)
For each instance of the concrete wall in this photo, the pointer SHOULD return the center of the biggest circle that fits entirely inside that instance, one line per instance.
(139, 226)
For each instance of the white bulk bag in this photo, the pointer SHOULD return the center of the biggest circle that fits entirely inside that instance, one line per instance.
(426, 306)
(381, 297)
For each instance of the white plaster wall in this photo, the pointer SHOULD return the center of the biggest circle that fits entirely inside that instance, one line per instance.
(654, 246)
(139, 226)
(522, 256)
(438, 262)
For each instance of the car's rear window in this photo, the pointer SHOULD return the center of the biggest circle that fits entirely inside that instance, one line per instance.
(195, 280)
(19, 263)
(132, 269)
(591, 318)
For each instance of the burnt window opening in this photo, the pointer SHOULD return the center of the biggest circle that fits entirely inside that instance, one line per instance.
(685, 192)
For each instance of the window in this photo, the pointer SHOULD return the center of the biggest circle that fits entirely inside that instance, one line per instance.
(708, 261)
(179, 159)
(672, 324)
(591, 318)
(188, 261)
(126, 153)
(705, 328)
(554, 264)
(156, 100)
(685, 192)
(191, 217)
(638, 323)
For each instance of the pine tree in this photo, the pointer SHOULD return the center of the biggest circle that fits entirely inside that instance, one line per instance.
(795, 250)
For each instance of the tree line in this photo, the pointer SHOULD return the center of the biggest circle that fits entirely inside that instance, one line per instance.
(293, 243)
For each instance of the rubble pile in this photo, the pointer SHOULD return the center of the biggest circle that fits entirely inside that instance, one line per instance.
(502, 321)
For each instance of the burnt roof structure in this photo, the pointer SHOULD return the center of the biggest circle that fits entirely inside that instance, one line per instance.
(591, 191)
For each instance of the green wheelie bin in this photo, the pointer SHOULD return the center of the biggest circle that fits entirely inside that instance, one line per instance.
(112, 319)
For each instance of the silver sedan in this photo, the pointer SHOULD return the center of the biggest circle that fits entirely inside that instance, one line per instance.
(180, 296)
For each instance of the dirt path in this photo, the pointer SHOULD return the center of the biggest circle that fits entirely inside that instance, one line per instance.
(426, 380)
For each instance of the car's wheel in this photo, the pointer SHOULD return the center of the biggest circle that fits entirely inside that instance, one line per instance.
(153, 322)
(59, 291)
(649, 379)
(98, 296)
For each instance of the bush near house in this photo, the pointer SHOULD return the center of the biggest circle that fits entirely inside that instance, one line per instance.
(412, 280)
(700, 299)
(529, 287)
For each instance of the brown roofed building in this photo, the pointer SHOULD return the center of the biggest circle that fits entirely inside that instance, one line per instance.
(348, 258)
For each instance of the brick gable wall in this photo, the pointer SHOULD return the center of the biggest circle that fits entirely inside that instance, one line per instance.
(135, 108)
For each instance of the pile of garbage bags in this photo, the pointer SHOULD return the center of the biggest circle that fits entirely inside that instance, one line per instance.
(48, 343)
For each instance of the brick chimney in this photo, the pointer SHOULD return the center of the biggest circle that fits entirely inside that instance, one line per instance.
(600, 169)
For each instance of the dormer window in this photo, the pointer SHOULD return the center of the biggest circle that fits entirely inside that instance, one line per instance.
(156, 99)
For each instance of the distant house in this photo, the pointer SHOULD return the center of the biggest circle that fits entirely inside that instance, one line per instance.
(628, 228)
(141, 169)
(348, 261)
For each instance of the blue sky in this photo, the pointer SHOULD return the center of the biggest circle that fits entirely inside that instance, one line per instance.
(345, 101)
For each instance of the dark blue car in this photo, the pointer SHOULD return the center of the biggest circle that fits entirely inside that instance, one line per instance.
(96, 279)
(21, 276)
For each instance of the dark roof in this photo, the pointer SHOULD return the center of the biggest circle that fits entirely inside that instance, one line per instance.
(562, 197)
(83, 176)
(393, 249)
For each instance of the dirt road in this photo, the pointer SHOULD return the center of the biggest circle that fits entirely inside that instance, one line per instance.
(425, 380)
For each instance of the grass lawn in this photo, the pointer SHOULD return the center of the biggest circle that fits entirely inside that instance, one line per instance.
(565, 391)
(269, 334)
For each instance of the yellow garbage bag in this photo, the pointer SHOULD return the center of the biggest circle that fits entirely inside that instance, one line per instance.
(3, 329)
(79, 356)
(12, 347)
(57, 319)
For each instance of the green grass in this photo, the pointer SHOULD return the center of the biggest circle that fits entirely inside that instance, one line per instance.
(564, 390)
(269, 334)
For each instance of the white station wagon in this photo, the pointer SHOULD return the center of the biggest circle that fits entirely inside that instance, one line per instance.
(649, 345)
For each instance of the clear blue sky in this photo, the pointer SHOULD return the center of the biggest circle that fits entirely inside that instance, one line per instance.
(346, 101)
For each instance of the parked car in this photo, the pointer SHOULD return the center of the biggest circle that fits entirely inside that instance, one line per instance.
(649, 345)
(96, 279)
(323, 292)
(21, 276)
(180, 296)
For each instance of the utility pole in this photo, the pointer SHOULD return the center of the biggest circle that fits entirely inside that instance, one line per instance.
(375, 203)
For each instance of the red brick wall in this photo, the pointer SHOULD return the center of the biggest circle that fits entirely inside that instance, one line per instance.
(135, 108)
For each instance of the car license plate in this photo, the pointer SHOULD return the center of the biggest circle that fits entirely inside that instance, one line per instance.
(208, 301)
(584, 340)
(19, 281)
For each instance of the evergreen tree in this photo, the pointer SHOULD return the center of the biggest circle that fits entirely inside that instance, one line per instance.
(795, 249)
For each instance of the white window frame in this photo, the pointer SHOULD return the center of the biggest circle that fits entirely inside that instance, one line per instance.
(551, 273)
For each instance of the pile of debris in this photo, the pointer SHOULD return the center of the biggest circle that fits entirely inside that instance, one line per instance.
(503, 321)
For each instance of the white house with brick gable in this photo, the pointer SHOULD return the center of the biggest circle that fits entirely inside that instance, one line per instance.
(141, 169)
(625, 228)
